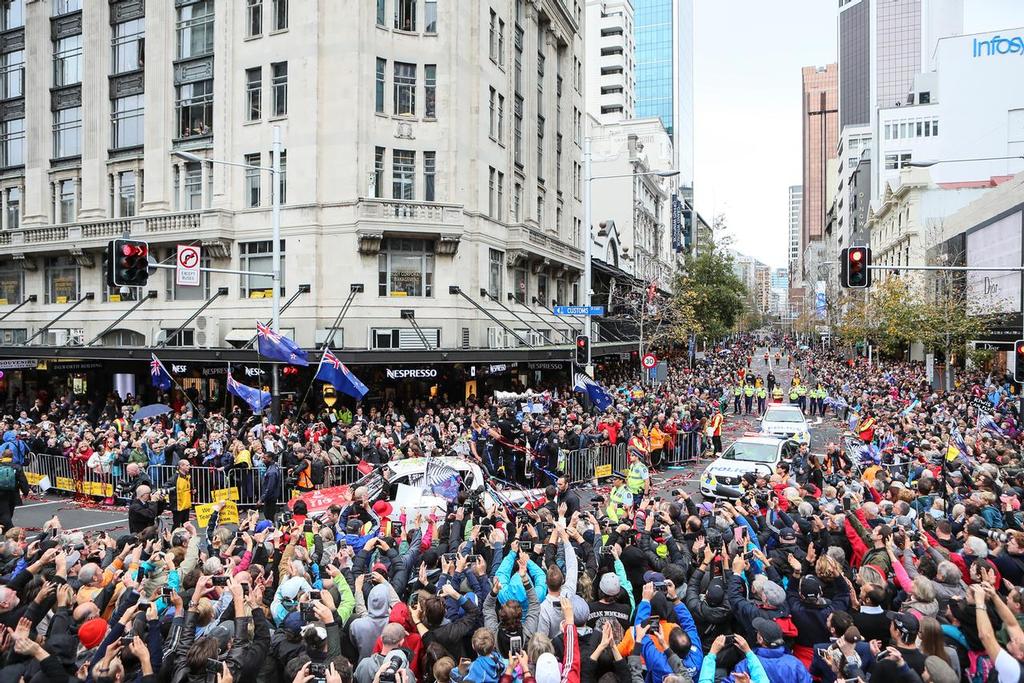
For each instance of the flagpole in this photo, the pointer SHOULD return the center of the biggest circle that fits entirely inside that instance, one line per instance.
(180, 388)
(310, 387)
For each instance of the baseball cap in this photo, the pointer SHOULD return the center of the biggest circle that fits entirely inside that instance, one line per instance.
(787, 535)
(810, 588)
(293, 623)
(715, 595)
(610, 584)
(769, 631)
(906, 624)
(223, 632)
(653, 577)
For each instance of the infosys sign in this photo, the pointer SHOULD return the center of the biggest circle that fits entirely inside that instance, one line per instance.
(998, 45)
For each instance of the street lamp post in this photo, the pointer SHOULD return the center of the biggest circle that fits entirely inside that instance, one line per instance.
(588, 178)
(275, 226)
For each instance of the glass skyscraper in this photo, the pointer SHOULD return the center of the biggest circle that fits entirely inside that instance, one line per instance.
(663, 32)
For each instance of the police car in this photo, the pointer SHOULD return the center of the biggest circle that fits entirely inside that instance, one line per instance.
(757, 453)
(786, 421)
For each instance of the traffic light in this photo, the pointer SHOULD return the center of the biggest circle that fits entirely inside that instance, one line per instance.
(127, 263)
(582, 350)
(853, 267)
(1018, 368)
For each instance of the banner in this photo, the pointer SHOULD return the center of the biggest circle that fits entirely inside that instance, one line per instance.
(228, 515)
(319, 501)
(226, 494)
(819, 300)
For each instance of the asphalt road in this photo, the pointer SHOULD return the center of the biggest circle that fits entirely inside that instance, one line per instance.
(75, 515)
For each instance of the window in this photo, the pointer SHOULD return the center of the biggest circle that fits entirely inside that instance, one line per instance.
(381, 14)
(195, 29)
(279, 88)
(254, 15)
(127, 194)
(12, 285)
(493, 105)
(258, 256)
(67, 133)
(283, 177)
(896, 161)
(405, 267)
(542, 289)
(492, 177)
(517, 203)
(195, 109)
(540, 210)
(67, 61)
(65, 201)
(193, 186)
(501, 42)
(520, 284)
(403, 171)
(500, 215)
(382, 65)
(127, 47)
(501, 120)
(127, 129)
(252, 181)
(12, 14)
(177, 292)
(13, 208)
(254, 93)
(430, 91)
(405, 89)
(280, 15)
(12, 74)
(405, 15)
(62, 279)
(493, 35)
(66, 6)
(429, 176)
(519, 60)
(496, 264)
(430, 16)
(186, 337)
(378, 172)
(558, 162)
(517, 122)
(12, 143)
(540, 148)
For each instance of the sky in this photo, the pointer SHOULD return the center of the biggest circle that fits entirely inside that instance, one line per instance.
(747, 130)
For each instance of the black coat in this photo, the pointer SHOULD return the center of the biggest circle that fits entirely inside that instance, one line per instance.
(142, 515)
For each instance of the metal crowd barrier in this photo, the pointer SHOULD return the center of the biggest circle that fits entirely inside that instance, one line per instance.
(597, 462)
(688, 449)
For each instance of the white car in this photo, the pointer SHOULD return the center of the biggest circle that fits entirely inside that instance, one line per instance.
(786, 421)
(754, 453)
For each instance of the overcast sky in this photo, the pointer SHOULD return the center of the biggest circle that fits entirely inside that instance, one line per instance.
(747, 60)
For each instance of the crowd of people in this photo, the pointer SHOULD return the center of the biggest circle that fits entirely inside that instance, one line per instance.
(897, 556)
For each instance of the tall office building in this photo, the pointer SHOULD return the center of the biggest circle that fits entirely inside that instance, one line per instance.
(664, 73)
(427, 145)
(611, 61)
(796, 200)
(820, 132)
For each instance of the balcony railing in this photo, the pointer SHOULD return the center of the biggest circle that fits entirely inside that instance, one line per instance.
(434, 213)
(80, 234)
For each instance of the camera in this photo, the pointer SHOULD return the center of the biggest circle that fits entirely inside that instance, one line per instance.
(997, 536)
(472, 559)
(166, 592)
(661, 587)
(307, 612)
(390, 671)
(485, 530)
(730, 640)
(220, 581)
(449, 557)
(126, 640)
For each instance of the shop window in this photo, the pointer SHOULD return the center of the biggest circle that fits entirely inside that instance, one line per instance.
(12, 286)
(176, 292)
(63, 280)
(404, 338)
(405, 267)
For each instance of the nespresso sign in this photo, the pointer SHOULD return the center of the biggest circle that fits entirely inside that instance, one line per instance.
(411, 373)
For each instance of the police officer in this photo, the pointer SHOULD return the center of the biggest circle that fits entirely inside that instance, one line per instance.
(794, 395)
(802, 397)
(737, 391)
(619, 498)
(637, 477)
(821, 399)
(776, 394)
(748, 398)
(762, 399)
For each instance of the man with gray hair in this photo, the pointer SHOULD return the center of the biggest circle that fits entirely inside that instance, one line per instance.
(766, 601)
(136, 477)
(391, 655)
(144, 509)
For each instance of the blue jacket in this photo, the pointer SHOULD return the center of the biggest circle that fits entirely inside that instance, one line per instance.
(657, 663)
(512, 585)
(780, 666)
(486, 669)
(271, 491)
(754, 666)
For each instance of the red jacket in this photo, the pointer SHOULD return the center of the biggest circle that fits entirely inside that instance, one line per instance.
(413, 643)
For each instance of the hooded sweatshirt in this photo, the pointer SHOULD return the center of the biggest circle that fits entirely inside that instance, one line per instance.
(366, 629)
(486, 669)
(400, 614)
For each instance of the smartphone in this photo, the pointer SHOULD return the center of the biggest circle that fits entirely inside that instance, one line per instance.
(307, 612)
(515, 645)
(730, 640)
(449, 557)
(661, 587)
(847, 504)
(214, 666)
(220, 581)
(739, 534)
(652, 622)
(821, 652)
(473, 559)
(396, 529)
(307, 526)
(126, 640)
(166, 592)
(143, 573)
(485, 530)
(314, 595)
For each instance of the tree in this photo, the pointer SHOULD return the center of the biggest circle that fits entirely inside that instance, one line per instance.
(708, 294)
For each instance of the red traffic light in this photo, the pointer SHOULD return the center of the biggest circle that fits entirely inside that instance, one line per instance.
(856, 255)
(581, 342)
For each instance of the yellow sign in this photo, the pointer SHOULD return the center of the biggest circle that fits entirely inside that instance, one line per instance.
(228, 515)
(62, 299)
(226, 494)
(90, 488)
(114, 298)
(330, 396)
(3, 302)
(33, 478)
(256, 294)
(602, 471)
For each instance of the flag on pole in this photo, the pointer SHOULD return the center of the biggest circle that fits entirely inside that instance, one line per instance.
(334, 372)
(158, 373)
(958, 439)
(986, 422)
(276, 346)
(597, 394)
(257, 399)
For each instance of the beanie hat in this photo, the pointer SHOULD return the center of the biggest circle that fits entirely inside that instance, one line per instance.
(715, 595)
(610, 585)
(91, 633)
(547, 669)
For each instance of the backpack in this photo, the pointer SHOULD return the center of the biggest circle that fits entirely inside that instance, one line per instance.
(316, 472)
(8, 478)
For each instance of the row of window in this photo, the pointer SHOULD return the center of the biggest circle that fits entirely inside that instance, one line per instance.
(521, 284)
(406, 15)
(254, 17)
(404, 88)
(278, 91)
(896, 161)
(920, 128)
(403, 174)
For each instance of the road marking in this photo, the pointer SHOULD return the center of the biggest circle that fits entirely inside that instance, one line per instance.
(32, 505)
(90, 526)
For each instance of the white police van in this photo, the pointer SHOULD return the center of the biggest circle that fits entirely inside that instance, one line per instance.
(757, 453)
(787, 422)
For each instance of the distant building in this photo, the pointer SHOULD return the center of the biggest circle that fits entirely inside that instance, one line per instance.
(820, 117)
(611, 60)
(796, 201)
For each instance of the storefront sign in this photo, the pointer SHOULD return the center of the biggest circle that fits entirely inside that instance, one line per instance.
(75, 366)
(254, 372)
(500, 367)
(179, 368)
(545, 366)
(250, 371)
(412, 373)
(998, 45)
(18, 364)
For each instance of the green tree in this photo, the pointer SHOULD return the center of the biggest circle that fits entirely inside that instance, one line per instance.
(710, 292)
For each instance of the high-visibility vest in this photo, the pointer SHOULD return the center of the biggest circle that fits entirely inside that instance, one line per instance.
(304, 481)
(748, 391)
(777, 392)
(737, 391)
(793, 394)
(761, 393)
(715, 426)
(802, 390)
(183, 493)
(636, 477)
(618, 498)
